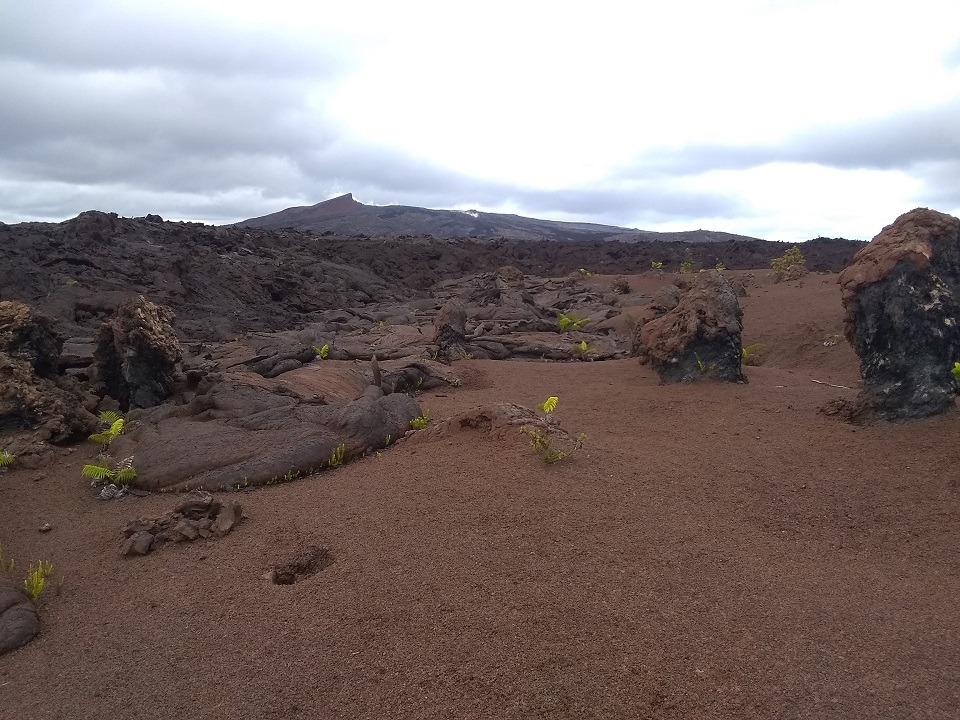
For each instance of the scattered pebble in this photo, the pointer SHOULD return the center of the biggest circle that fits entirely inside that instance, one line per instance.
(46, 527)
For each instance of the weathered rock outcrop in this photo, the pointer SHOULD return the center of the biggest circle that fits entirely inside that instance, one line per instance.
(18, 616)
(30, 336)
(451, 329)
(235, 436)
(32, 396)
(137, 353)
(902, 299)
(700, 338)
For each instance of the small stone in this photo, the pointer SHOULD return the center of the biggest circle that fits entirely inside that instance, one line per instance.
(187, 529)
(45, 528)
(229, 516)
(137, 544)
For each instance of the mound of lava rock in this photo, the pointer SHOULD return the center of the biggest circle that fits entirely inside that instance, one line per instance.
(902, 300)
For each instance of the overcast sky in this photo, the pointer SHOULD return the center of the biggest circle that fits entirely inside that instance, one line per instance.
(783, 119)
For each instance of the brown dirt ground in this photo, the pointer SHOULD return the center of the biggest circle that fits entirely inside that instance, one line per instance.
(715, 551)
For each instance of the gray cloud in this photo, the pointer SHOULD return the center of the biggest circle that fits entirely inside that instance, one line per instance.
(130, 111)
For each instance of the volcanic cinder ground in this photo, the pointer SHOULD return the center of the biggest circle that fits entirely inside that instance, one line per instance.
(714, 551)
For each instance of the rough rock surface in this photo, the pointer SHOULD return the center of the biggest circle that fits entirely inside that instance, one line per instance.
(18, 616)
(902, 300)
(450, 327)
(700, 338)
(223, 281)
(235, 435)
(30, 336)
(137, 353)
(197, 515)
(32, 397)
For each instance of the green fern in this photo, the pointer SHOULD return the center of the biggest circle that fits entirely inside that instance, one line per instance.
(956, 370)
(322, 352)
(6, 459)
(336, 457)
(549, 405)
(419, 423)
(571, 322)
(122, 474)
(115, 424)
(36, 578)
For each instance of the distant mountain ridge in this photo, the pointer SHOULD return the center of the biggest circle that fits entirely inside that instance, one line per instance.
(345, 216)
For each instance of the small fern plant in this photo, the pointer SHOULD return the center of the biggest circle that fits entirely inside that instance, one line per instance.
(113, 423)
(121, 474)
(6, 460)
(322, 352)
(584, 348)
(955, 371)
(541, 440)
(336, 457)
(549, 405)
(571, 322)
(420, 422)
(36, 579)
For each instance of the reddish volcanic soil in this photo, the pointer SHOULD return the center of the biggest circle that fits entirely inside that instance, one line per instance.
(715, 551)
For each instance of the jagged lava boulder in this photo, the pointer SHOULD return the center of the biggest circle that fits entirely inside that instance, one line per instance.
(901, 294)
(450, 326)
(700, 338)
(30, 336)
(32, 396)
(137, 353)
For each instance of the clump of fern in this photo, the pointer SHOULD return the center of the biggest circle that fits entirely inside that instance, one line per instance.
(323, 351)
(541, 439)
(420, 422)
(121, 474)
(6, 460)
(36, 578)
(336, 457)
(584, 349)
(571, 322)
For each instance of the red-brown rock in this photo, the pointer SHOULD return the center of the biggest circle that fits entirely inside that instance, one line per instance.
(901, 294)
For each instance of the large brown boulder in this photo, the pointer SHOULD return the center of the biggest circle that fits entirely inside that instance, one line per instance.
(700, 338)
(18, 616)
(901, 294)
(137, 353)
(32, 397)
